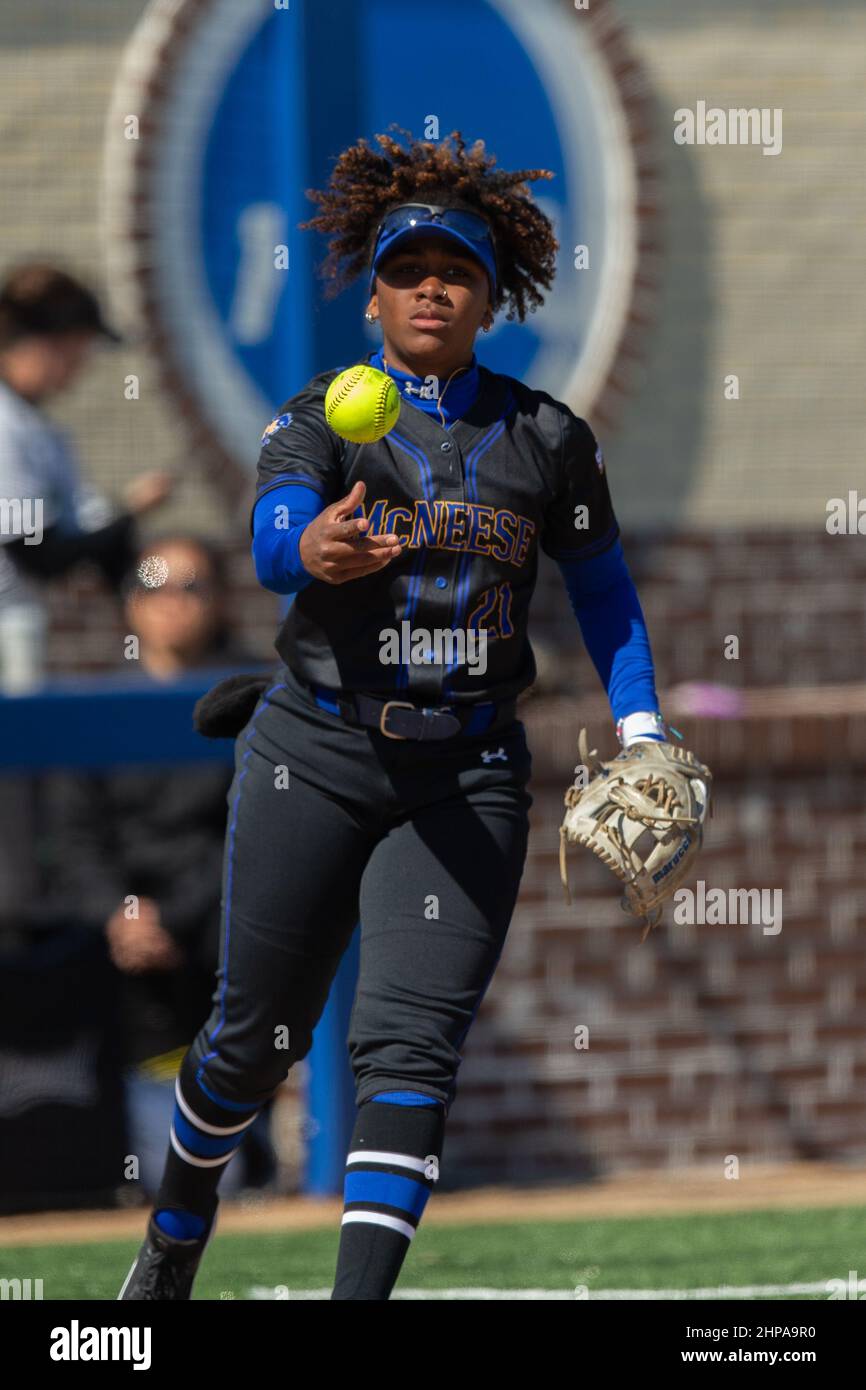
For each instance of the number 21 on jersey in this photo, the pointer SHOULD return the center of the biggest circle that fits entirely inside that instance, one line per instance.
(493, 612)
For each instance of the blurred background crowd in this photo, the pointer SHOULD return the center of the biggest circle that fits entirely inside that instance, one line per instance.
(79, 846)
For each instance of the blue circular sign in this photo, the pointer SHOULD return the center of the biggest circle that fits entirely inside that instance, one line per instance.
(245, 104)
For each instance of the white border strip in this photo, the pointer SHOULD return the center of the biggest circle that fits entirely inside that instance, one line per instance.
(744, 1291)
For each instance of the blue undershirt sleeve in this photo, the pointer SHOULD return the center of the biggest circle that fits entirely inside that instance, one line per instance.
(607, 607)
(276, 545)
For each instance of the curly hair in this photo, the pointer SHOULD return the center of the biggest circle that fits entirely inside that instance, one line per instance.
(365, 184)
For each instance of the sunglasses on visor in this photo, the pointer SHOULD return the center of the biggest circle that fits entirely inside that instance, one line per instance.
(470, 225)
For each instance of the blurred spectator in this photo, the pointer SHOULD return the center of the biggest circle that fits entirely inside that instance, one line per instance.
(158, 834)
(49, 519)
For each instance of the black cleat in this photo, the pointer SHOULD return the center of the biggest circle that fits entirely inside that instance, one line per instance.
(164, 1267)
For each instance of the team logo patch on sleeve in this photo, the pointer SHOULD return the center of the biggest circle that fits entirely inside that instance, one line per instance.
(279, 424)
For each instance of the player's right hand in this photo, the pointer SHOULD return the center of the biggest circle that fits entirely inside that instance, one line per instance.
(334, 547)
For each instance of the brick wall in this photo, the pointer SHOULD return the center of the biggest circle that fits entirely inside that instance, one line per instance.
(705, 1041)
(796, 600)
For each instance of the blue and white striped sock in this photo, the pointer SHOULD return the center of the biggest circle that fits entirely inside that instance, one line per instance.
(206, 1132)
(392, 1165)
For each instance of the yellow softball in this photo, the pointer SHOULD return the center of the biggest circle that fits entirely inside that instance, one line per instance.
(362, 404)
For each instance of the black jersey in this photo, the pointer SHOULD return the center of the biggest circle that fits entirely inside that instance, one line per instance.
(471, 505)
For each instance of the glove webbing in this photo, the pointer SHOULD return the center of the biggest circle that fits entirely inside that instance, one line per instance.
(637, 807)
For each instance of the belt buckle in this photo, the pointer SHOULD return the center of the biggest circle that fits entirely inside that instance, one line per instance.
(393, 704)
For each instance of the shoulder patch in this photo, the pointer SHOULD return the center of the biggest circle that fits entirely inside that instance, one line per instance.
(280, 423)
(599, 459)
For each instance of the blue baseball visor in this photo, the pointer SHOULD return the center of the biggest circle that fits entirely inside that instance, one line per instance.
(468, 230)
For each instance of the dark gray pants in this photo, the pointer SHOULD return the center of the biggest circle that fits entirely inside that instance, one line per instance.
(329, 824)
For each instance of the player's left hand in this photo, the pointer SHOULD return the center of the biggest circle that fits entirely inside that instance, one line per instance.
(642, 814)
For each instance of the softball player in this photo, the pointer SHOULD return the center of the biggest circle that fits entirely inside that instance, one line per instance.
(383, 775)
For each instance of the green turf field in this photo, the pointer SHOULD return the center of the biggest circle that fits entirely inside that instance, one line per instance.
(777, 1248)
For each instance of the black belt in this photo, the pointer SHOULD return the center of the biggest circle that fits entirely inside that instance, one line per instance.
(402, 720)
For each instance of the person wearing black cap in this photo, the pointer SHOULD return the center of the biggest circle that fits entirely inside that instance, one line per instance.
(50, 520)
